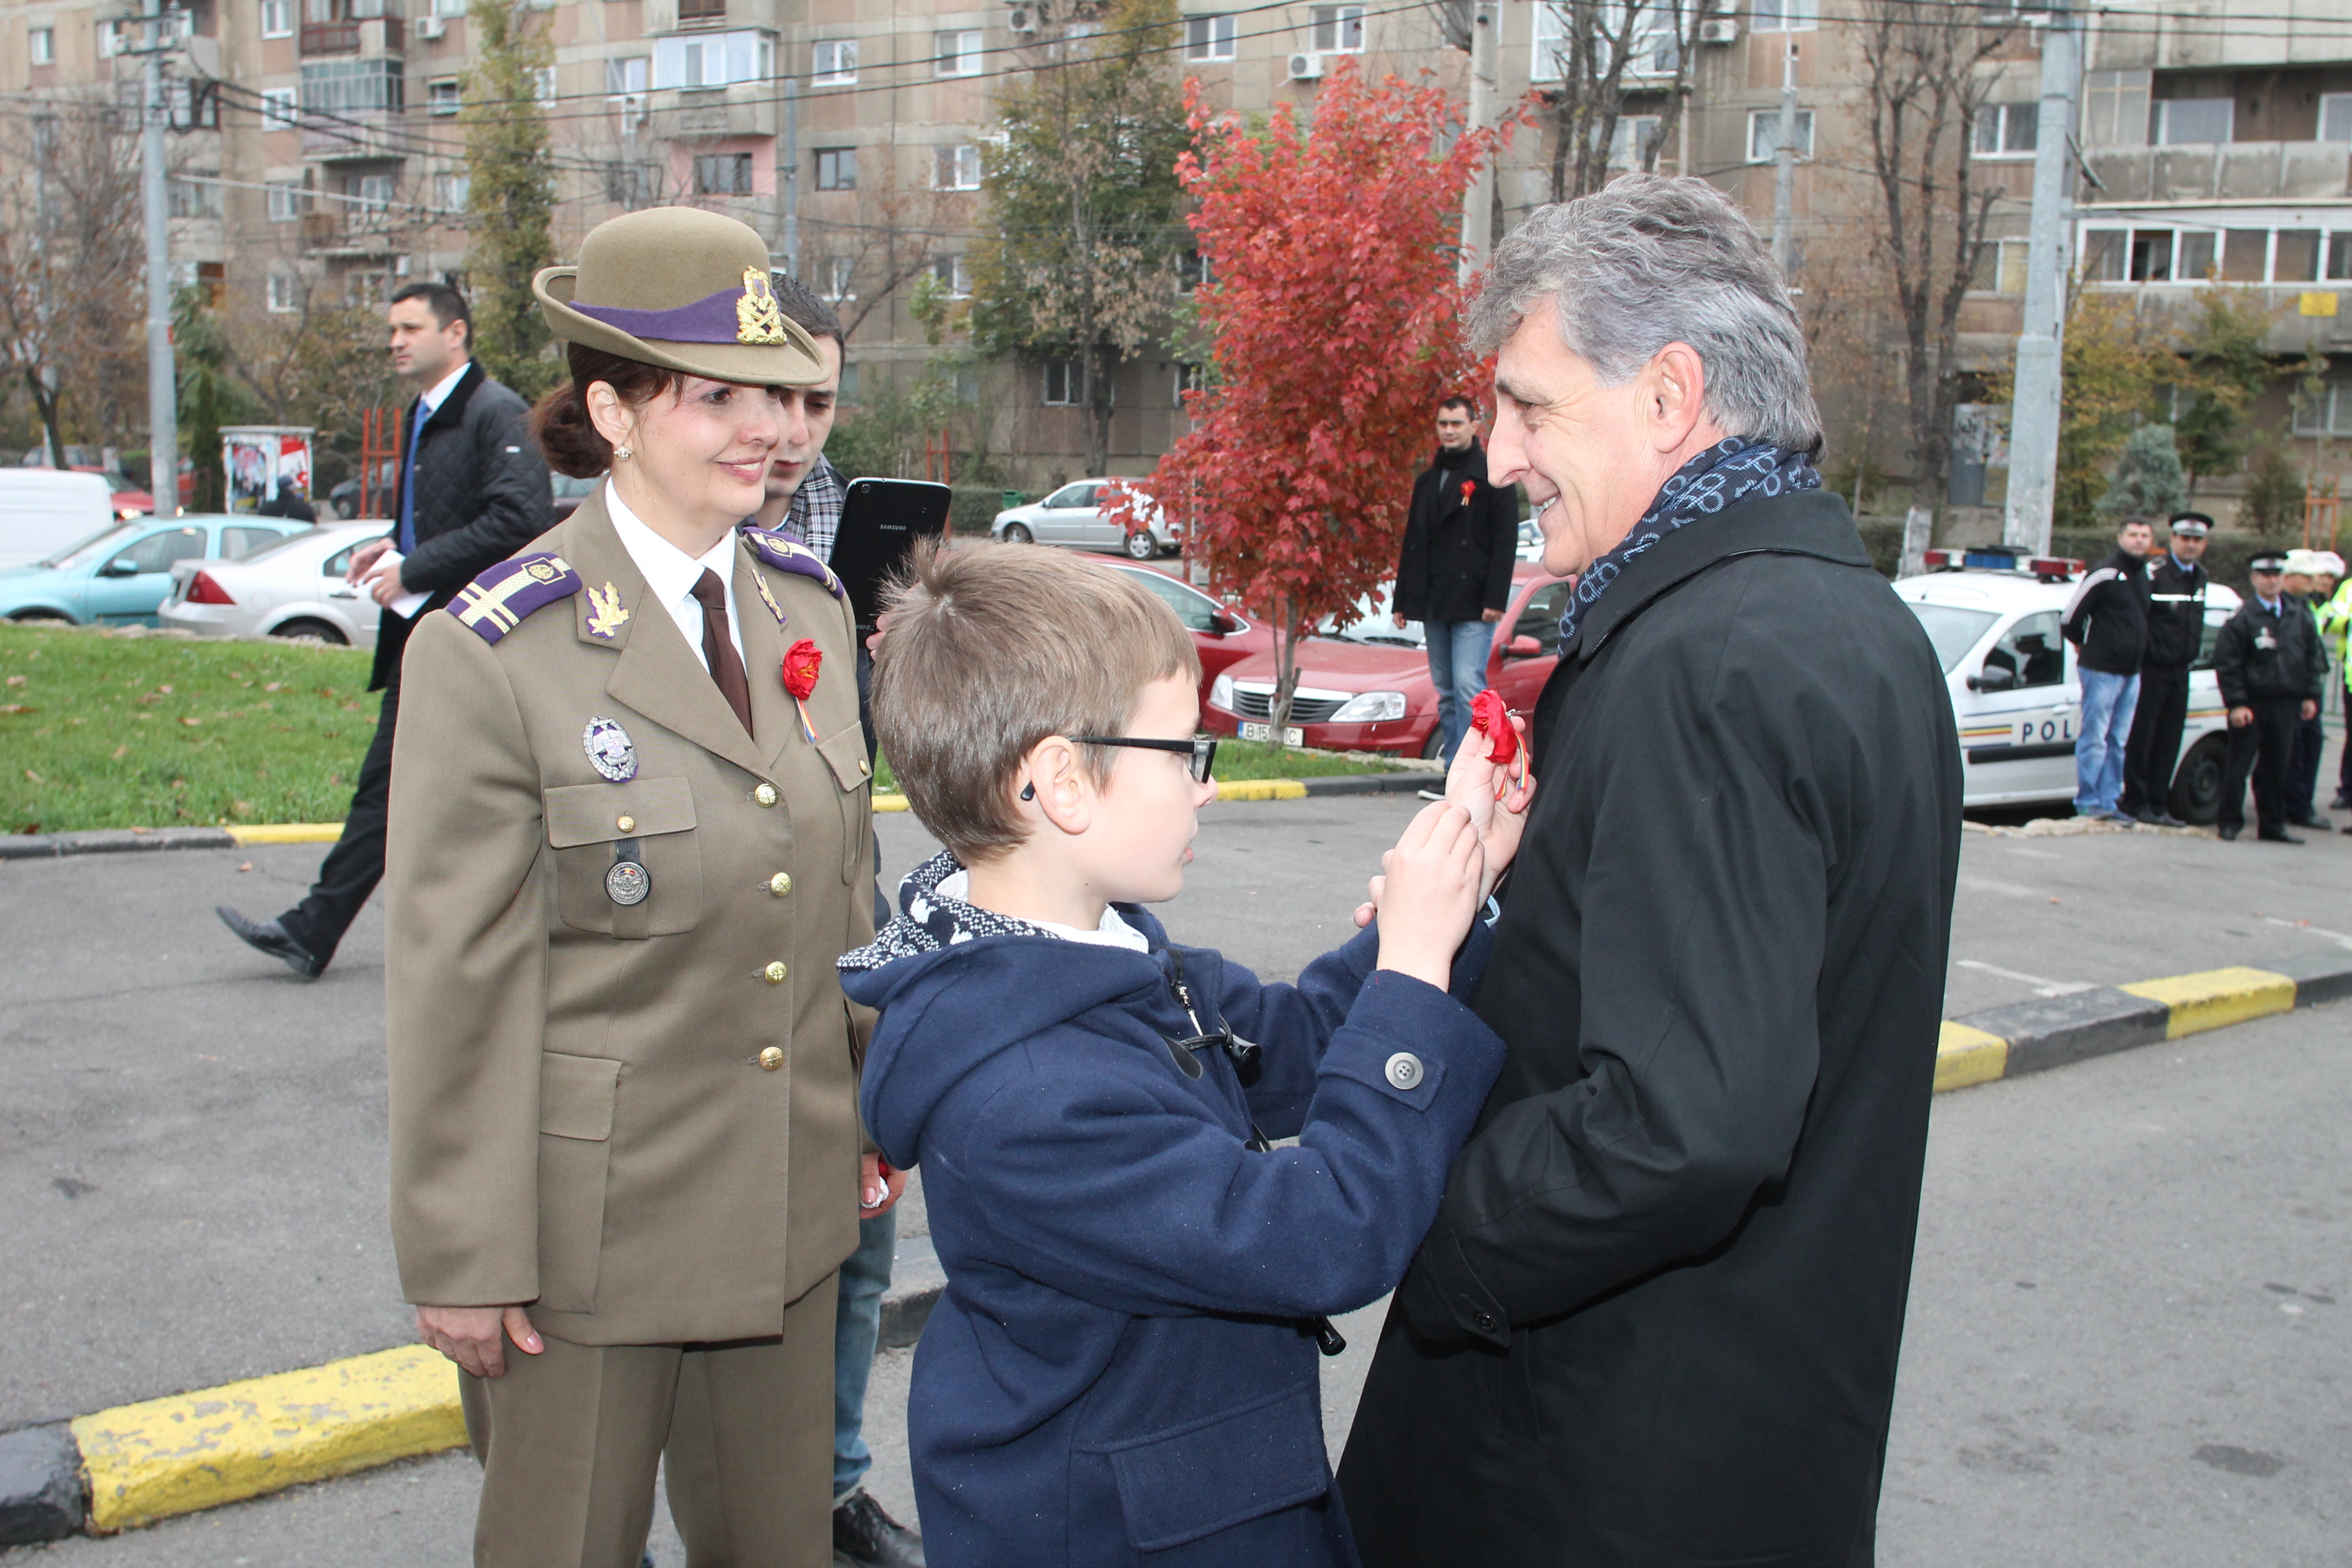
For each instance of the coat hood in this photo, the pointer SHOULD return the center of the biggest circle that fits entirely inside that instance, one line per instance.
(956, 983)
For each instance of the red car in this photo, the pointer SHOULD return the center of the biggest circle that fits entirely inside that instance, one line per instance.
(1367, 688)
(1222, 635)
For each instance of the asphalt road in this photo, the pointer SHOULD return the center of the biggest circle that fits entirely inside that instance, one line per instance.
(191, 1173)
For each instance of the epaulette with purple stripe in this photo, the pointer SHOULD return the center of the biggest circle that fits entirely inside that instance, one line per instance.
(787, 555)
(495, 603)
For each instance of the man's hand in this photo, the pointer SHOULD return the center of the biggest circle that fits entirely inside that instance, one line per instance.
(1497, 796)
(365, 556)
(1490, 617)
(2241, 716)
(1399, 620)
(475, 1337)
(877, 1195)
(383, 584)
(2310, 708)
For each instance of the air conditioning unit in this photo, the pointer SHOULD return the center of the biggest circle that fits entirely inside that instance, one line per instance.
(1021, 19)
(429, 27)
(1307, 67)
(1726, 32)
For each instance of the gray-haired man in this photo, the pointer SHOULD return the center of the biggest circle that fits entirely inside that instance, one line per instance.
(1657, 1318)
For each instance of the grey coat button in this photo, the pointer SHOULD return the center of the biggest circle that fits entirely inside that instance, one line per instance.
(1405, 1070)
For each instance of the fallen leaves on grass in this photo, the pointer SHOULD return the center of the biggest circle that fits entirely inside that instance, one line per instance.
(32, 777)
(17, 708)
(122, 751)
(17, 680)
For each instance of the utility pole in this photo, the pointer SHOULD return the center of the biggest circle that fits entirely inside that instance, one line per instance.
(2034, 409)
(789, 177)
(162, 380)
(1478, 201)
(44, 133)
(1784, 179)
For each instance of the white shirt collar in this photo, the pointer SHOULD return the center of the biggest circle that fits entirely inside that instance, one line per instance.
(670, 574)
(1112, 931)
(431, 402)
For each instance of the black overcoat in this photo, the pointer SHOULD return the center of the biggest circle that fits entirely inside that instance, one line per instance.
(1657, 1318)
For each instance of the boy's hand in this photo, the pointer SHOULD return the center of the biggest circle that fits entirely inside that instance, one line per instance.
(878, 1186)
(1369, 909)
(1495, 796)
(1431, 894)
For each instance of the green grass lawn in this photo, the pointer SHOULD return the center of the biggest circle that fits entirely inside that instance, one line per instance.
(109, 732)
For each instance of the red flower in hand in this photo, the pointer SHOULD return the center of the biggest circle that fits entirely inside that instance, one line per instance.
(800, 662)
(1469, 488)
(1492, 717)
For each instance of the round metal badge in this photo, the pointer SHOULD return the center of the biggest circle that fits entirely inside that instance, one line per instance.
(610, 750)
(627, 883)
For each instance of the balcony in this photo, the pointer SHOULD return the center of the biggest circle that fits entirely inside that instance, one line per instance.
(2223, 172)
(356, 136)
(367, 36)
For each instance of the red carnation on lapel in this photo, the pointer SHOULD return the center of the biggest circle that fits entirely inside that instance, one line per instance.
(1469, 488)
(800, 662)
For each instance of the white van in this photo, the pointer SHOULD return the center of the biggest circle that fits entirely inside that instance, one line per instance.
(45, 511)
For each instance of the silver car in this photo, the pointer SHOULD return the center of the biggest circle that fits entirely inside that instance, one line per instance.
(291, 589)
(1075, 514)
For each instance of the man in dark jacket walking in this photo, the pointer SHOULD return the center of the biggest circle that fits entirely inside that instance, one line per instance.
(473, 490)
(2175, 635)
(2271, 668)
(1656, 1320)
(2106, 620)
(1455, 576)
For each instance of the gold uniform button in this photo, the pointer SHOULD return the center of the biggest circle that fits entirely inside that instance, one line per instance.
(781, 883)
(772, 1058)
(765, 795)
(775, 973)
(627, 825)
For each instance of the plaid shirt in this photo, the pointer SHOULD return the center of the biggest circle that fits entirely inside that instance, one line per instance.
(815, 517)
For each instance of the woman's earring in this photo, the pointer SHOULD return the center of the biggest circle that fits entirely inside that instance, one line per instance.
(1029, 792)
(623, 453)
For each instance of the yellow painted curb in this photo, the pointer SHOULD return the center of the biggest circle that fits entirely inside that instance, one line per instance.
(288, 833)
(1261, 789)
(166, 1456)
(1965, 1055)
(2217, 997)
(889, 803)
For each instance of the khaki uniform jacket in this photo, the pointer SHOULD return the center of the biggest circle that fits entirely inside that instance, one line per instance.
(581, 1117)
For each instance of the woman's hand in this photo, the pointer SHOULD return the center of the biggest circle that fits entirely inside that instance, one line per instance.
(878, 1186)
(1431, 894)
(475, 1337)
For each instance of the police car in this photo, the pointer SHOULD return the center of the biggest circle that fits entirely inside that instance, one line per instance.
(2016, 698)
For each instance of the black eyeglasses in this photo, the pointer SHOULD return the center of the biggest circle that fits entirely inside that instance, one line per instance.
(1202, 748)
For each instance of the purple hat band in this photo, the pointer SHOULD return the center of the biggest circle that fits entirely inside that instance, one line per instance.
(709, 320)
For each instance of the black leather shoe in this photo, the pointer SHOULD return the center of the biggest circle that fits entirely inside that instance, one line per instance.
(270, 937)
(2313, 821)
(2280, 835)
(866, 1537)
(2340, 803)
(2229, 831)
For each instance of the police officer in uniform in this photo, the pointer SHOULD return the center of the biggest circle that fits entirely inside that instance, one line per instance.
(2177, 582)
(630, 832)
(2270, 665)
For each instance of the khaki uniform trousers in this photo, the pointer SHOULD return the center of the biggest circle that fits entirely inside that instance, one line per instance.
(569, 1441)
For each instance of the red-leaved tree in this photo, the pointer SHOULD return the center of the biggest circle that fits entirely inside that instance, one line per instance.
(1336, 320)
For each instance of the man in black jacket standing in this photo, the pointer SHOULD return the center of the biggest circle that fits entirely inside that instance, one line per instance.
(1657, 1318)
(2271, 668)
(473, 490)
(1455, 576)
(2106, 620)
(2175, 635)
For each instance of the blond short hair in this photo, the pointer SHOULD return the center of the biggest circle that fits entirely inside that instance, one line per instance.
(989, 649)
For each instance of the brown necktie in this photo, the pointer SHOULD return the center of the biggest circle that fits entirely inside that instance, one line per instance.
(718, 648)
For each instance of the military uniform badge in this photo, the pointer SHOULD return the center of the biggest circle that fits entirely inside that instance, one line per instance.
(758, 318)
(607, 614)
(787, 555)
(610, 750)
(501, 598)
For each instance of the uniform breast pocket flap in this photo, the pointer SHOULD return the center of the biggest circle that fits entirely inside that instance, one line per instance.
(844, 753)
(627, 860)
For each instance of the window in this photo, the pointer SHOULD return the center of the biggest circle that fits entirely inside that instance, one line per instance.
(276, 18)
(113, 37)
(2339, 258)
(158, 551)
(278, 109)
(1540, 616)
(2115, 109)
(2151, 256)
(441, 96)
(1339, 29)
(542, 84)
(2031, 654)
(1208, 37)
(2192, 255)
(283, 298)
(196, 197)
(2005, 130)
(42, 43)
(285, 201)
(1764, 134)
(701, 10)
(1631, 142)
(2192, 122)
(236, 542)
(1192, 269)
(2335, 117)
(836, 168)
(2102, 255)
(370, 193)
(836, 61)
(448, 7)
(1785, 15)
(2245, 255)
(2294, 257)
(849, 393)
(2328, 414)
(452, 192)
(956, 54)
(953, 273)
(354, 87)
(718, 60)
(626, 77)
(841, 278)
(1062, 382)
(967, 388)
(1190, 377)
(722, 174)
(956, 169)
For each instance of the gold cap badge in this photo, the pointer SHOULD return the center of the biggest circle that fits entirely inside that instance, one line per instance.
(758, 318)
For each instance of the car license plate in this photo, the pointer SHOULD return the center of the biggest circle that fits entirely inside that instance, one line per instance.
(1292, 735)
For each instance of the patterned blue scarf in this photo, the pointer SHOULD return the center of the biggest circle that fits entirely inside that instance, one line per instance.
(1731, 470)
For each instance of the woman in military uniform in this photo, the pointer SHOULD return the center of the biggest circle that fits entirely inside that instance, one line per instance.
(628, 837)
